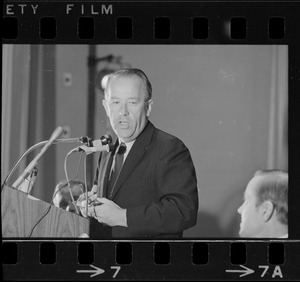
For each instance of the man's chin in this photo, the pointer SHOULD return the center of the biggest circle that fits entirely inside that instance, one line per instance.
(241, 232)
(125, 138)
(122, 133)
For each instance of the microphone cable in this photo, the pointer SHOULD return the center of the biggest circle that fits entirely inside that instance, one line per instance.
(51, 203)
(68, 181)
(85, 183)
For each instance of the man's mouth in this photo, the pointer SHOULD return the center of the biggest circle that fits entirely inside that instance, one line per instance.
(123, 122)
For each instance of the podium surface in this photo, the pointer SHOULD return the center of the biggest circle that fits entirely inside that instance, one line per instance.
(20, 214)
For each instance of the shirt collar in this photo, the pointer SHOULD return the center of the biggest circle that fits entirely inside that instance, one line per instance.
(128, 146)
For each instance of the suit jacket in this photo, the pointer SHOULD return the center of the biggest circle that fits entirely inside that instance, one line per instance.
(157, 185)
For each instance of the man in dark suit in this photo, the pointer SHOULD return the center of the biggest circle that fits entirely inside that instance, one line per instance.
(264, 212)
(153, 193)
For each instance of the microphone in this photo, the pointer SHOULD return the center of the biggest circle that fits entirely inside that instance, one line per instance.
(101, 145)
(56, 133)
(83, 139)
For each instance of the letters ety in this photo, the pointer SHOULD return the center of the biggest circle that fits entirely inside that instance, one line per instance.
(13, 9)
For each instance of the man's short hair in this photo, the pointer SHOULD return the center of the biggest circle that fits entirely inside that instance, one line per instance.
(131, 72)
(274, 187)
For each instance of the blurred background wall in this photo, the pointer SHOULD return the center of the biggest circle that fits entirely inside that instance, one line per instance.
(228, 103)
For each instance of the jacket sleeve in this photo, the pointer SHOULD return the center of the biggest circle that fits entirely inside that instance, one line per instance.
(176, 184)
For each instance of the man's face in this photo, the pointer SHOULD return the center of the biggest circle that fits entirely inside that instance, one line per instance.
(125, 105)
(63, 198)
(252, 222)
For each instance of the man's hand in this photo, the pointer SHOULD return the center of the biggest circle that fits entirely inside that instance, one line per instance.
(110, 213)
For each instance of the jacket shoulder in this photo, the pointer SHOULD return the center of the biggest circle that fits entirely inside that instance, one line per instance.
(165, 137)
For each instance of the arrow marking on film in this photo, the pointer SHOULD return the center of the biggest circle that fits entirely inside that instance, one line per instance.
(245, 271)
(96, 271)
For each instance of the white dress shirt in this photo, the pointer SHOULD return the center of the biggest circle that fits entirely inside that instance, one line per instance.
(128, 148)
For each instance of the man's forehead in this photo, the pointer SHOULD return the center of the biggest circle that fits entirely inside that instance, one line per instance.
(75, 189)
(129, 89)
(132, 79)
(64, 191)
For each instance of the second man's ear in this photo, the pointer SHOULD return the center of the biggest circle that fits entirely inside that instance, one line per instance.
(268, 209)
(150, 103)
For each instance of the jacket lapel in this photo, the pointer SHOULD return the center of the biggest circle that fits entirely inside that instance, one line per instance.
(134, 156)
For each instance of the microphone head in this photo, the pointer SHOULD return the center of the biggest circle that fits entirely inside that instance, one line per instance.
(56, 133)
(106, 139)
(86, 140)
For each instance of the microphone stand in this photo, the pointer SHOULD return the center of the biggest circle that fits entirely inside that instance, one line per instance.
(56, 133)
(66, 140)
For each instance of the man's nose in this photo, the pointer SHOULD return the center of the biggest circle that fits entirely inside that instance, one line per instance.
(239, 210)
(123, 109)
(71, 208)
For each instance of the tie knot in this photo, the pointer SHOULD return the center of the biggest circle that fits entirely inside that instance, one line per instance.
(122, 149)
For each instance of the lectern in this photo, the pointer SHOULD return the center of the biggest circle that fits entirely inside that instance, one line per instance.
(20, 213)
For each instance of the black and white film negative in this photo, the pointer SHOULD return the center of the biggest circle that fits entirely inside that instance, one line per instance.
(203, 191)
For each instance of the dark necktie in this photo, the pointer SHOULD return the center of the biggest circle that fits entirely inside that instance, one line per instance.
(119, 158)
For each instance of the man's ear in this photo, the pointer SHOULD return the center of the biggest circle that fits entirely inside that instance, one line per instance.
(104, 103)
(267, 209)
(150, 103)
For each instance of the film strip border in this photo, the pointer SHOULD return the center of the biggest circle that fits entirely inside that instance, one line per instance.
(191, 260)
(158, 22)
(150, 22)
